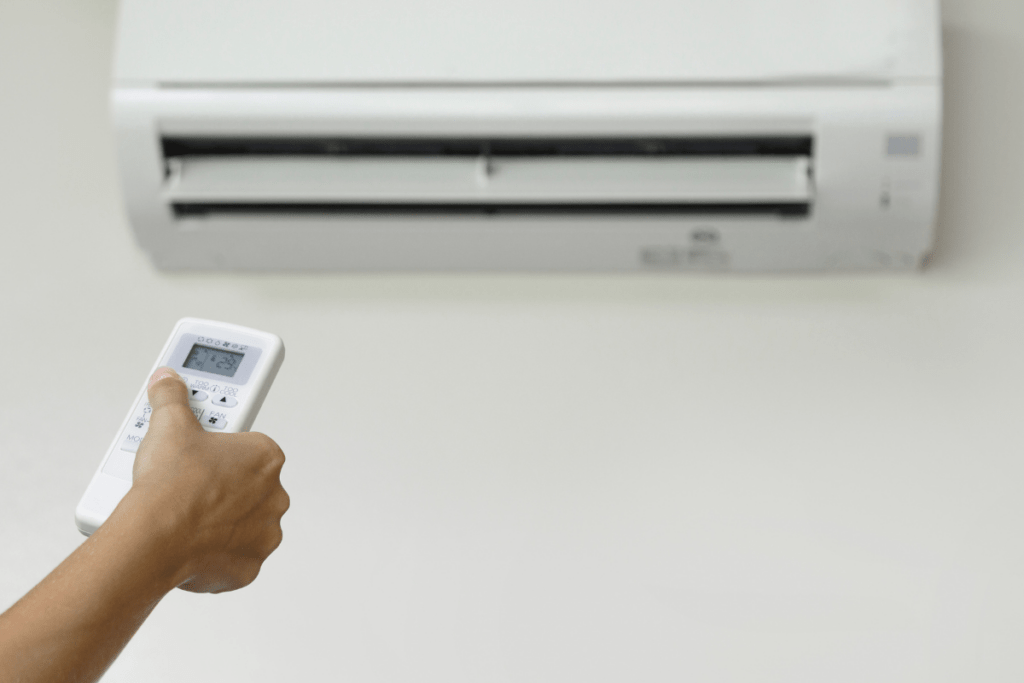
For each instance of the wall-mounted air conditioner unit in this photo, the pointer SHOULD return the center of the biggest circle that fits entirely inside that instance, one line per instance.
(537, 135)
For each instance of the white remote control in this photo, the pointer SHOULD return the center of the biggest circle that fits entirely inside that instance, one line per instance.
(228, 369)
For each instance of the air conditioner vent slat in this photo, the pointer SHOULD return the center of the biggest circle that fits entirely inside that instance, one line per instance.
(447, 180)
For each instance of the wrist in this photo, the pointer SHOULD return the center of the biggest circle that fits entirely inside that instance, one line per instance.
(151, 531)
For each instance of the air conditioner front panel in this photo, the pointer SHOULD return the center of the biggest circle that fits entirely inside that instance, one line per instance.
(485, 42)
(862, 205)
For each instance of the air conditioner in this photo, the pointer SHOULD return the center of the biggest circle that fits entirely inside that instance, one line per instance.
(566, 135)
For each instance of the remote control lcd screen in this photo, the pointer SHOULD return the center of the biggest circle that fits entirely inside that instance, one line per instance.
(217, 361)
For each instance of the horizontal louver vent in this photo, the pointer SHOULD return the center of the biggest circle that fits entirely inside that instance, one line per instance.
(232, 176)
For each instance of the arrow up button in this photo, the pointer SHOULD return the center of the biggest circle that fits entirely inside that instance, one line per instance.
(224, 401)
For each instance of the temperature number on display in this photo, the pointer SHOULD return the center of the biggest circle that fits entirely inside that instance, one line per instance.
(217, 361)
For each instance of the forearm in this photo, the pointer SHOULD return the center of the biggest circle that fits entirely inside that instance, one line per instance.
(73, 625)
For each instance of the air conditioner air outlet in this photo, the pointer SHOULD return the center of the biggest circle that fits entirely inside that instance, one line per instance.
(209, 210)
(644, 147)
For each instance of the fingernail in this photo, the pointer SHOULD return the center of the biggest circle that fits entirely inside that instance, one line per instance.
(163, 373)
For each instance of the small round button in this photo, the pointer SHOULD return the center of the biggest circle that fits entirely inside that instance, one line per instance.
(197, 395)
(224, 401)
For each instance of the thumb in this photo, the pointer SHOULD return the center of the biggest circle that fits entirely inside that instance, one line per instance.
(168, 395)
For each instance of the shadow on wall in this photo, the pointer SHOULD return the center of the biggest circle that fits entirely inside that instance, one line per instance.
(984, 112)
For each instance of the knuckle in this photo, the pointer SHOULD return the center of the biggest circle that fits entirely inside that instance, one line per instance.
(284, 502)
(268, 448)
(264, 442)
(247, 573)
(274, 539)
(270, 452)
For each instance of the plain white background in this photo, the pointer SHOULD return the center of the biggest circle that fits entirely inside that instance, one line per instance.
(512, 478)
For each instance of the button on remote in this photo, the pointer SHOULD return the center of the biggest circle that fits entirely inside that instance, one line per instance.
(215, 422)
(224, 401)
(131, 441)
(197, 395)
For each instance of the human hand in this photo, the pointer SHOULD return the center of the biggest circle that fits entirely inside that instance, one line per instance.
(203, 514)
(218, 498)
